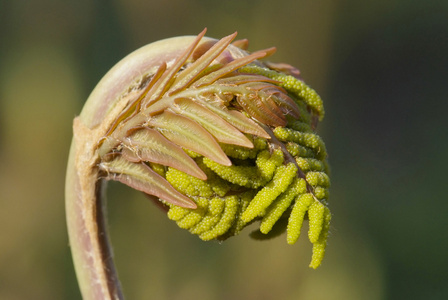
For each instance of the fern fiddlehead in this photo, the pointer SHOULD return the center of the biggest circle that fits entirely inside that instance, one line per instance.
(222, 139)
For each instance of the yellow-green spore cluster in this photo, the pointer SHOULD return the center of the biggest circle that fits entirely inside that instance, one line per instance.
(280, 182)
(262, 187)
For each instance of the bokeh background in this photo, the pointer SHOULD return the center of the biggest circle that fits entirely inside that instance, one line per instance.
(381, 67)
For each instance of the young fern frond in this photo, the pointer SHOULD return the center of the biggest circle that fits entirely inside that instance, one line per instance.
(219, 137)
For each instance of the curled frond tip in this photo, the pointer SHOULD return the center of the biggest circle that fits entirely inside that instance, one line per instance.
(224, 140)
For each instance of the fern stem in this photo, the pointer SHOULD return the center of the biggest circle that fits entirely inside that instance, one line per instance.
(84, 195)
(86, 224)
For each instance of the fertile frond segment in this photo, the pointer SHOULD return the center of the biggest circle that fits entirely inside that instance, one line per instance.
(223, 140)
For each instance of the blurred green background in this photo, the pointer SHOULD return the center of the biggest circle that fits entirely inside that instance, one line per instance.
(381, 67)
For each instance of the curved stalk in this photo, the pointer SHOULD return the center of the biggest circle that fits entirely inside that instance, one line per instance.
(84, 196)
(197, 123)
(89, 243)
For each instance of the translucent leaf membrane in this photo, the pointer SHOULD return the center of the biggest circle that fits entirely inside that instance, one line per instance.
(219, 128)
(188, 75)
(237, 119)
(188, 134)
(230, 67)
(242, 44)
(149, 145)
(294, 86)
(262, 110)
(224, 142)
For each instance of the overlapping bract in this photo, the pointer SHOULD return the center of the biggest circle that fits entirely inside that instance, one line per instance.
(224, 142)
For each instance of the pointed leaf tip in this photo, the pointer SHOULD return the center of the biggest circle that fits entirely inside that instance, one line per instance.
(187, 76)
(150, 145)
(188, 134)
(141, 177)
(219, 128)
